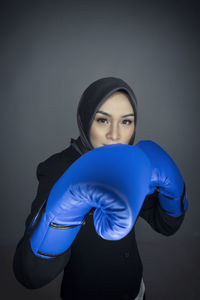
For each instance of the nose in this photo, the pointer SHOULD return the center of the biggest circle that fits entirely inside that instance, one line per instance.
(113, 133)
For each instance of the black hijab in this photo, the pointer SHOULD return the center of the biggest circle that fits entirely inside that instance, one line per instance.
(91, 99)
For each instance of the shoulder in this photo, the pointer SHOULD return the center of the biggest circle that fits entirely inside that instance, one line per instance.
(57, 163)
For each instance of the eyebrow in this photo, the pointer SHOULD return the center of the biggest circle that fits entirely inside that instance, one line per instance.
(106, 114)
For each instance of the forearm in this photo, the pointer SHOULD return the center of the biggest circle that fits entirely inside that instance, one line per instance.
(157, 218)
(33, 271)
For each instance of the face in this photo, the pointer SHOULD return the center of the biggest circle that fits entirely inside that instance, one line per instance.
(113, 122)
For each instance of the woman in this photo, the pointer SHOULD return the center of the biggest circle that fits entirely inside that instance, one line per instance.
(93, 267)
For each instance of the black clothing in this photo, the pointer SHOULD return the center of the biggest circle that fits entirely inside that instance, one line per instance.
(92, 266)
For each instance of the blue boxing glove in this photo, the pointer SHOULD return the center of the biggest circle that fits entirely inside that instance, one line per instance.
(166, 178)
(113, 180)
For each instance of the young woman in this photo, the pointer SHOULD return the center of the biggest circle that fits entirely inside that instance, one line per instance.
(94, 268)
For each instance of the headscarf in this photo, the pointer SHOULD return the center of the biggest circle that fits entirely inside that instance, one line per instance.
(92, 98)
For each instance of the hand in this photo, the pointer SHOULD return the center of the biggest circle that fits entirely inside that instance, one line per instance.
(166, 178)
(113, 179)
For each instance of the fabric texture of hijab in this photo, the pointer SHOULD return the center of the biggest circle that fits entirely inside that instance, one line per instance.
(92, 98)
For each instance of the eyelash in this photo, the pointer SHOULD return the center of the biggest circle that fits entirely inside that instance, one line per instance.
(102, 119)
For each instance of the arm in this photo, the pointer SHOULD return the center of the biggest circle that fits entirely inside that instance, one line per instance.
(30, 270)
(165, 209)
(157, 218)
(42, 253)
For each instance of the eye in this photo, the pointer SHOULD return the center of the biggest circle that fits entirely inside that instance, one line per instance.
(102, 120)
(127, 122)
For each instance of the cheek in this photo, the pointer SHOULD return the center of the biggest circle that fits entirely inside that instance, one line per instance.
(127, 134)
(95, 132)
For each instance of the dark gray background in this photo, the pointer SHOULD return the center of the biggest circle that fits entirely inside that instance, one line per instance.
(50, 52)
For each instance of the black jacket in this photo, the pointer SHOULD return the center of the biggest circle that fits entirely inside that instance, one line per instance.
(93, 268)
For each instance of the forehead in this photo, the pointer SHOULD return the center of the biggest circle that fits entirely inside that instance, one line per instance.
(117, 102)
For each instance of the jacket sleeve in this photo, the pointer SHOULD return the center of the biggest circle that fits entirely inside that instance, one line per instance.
(30, 270)
(157, 218)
